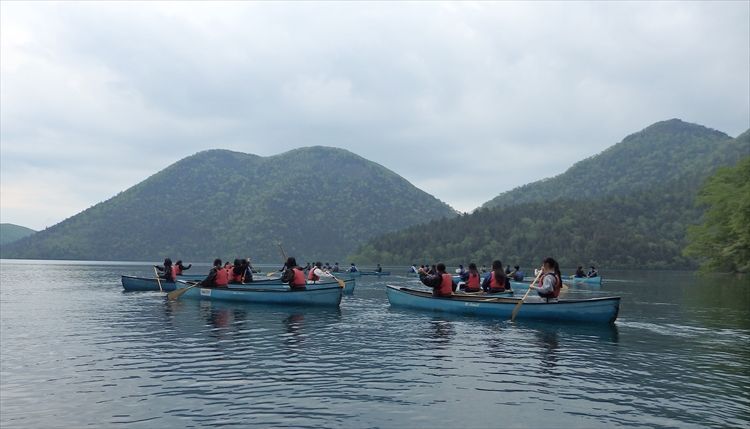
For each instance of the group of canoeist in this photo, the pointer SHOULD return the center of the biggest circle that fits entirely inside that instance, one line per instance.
(548, 285)
(169, 271)
(581, 274)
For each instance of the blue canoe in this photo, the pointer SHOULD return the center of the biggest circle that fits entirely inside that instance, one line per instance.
(349, 285)
(317, 296)
(142, 284)
(586, 280)
(594, 310)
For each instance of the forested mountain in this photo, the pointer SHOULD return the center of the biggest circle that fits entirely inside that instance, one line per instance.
(320, 202)
(645, 228)
(660, 153)
(10, 233)
(722, 240)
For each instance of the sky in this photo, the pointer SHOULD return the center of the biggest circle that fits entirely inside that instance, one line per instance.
(465, 100)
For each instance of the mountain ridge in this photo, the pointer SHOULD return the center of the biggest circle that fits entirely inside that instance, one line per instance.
(242, 208)
(608, 173)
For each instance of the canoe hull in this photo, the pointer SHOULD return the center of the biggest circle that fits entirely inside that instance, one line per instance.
(592, 310)
(586, 280)
(142, 284)
(329, 296)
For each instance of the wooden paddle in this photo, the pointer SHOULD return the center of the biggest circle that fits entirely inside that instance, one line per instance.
(520, 303)
(158, 280)
(177, 293)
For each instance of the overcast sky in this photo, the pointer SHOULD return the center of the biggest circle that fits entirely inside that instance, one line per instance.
(465, 100)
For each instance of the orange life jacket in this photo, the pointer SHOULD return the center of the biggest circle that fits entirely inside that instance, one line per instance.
(222, 277)
(472, 284)
(177, 270)
(311, 275)
(446, 285)
(495, 285)
(236, 278)
(299, 278)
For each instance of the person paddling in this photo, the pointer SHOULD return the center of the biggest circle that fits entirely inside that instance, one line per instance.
(473, 279)
(179, 267)
(413, 269)
(441, 282)
(353, 268)
(317, 273)
(378, 269)
(497, 281)
(592, 272)
(217, 277)
(294, 275)
(336, 268)
(550, 280)
(237, 274)
(517, 274)
(579, 272)
(168, 270)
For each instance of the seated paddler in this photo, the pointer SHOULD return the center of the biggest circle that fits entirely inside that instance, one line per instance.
(294, 275)
(317, 273)
(550, 281)
(217, 277)
(441, 282)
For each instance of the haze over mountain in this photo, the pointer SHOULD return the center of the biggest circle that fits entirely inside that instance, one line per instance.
(10, 233)
(320, 202)
(628, 207)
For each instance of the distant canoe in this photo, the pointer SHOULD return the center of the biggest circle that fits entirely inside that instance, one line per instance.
(587, 280)
(365, 273)
(598, 310)
(316, 296)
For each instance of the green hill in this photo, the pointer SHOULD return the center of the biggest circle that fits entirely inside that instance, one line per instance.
(663, 152)
(643, 228)
(10, 233)
(320, 202)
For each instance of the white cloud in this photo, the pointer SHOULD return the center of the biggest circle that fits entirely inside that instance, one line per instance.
(442, 93)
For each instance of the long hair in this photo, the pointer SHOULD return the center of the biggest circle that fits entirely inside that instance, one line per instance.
(497, 268)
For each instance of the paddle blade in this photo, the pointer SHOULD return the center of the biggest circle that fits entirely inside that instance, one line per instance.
(177, 293)
(341, 283)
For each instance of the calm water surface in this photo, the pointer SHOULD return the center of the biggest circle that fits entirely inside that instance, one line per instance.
(77, 351)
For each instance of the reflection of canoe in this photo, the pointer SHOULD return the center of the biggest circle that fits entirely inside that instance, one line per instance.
(318, 295)
(600, 310)
(587, 280)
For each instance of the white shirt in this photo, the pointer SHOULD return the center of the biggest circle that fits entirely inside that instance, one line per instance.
(321, 274)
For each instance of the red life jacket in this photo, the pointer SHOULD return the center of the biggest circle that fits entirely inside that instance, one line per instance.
(236, 278)
(446, 285)
(472, 283)
(177, 270)
(555, 289)
(495, 285)
(311, 275)
(299, 278)
(222, 277)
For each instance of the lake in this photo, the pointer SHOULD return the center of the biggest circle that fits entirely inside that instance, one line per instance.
(75, 351)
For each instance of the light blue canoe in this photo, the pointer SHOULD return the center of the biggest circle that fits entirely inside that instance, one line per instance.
(139, 284)
(586, 280)
(143, 284)
(315, 296)
(593, 310)
(349, 285)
